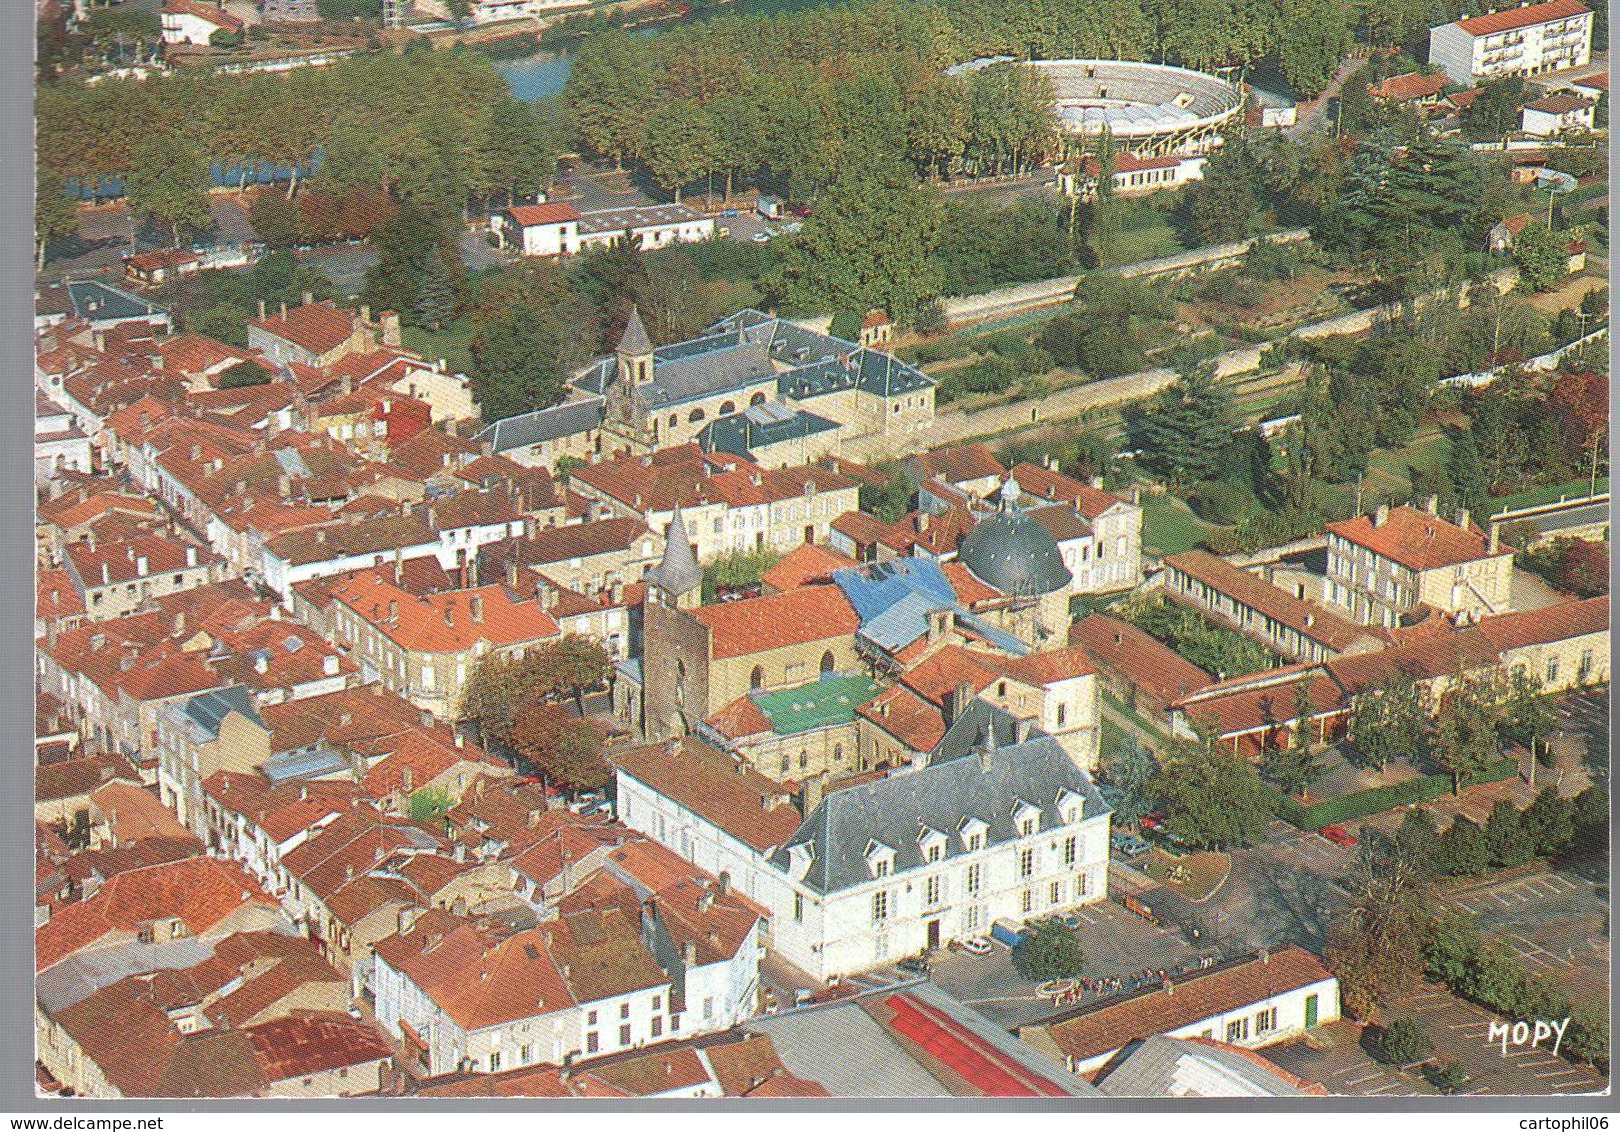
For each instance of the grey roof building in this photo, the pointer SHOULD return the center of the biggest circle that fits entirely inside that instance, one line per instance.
(1013, 552)
(992, 786)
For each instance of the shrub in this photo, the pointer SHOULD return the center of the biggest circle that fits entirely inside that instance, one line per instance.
(1403, 1042)
(1049, 951)
(1449, 1077)
(1420, 788)
(1222, 501)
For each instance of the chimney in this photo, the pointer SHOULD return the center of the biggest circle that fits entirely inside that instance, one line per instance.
(1022, 729)
(811, 793)
(459, 852)
(672, 746)
(1265, 956)
(986, 745)
(261, 310)
(459, 907)
(475, 607)
(1461, 517)
(689, 952)
(191, 556)
(449, 615)
(1432, 505)
(393, 611)
(407, 920)
(261, 664)
(179, 623)
(922, 521)
(723, 882)
(1496, 538)
(1380, 515)
(141, 564)
(1096, 482)
(957, 700)
(283, 310)
(1310, 620)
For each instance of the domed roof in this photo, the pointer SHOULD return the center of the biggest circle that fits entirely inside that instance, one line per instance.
(1012, 552)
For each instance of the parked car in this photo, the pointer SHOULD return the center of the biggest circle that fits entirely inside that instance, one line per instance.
(978, 945)
(1338, 835)
(729, 213)
(1128, 844)
(760, 237)
(915, 965)
(1152, 821)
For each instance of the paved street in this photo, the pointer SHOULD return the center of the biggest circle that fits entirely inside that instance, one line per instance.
(1335, 1057)
(1116, 943)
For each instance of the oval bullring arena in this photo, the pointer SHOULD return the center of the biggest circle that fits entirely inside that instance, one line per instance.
(1149, 108)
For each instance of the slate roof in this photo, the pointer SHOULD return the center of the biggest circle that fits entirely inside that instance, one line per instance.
(759, 426)
(633, 338)
(568, 419)
(892, 810)
(207, 712)
(678, 571)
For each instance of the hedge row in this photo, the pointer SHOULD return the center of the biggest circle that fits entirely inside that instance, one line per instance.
(1347, 807)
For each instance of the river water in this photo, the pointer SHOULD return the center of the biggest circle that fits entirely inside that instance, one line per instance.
(542, 74)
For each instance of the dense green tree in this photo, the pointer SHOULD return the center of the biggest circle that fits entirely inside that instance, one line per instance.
(562, 746)
(1588, 1037)
(55, 214)
(1186, 432)
(1376, 946)
(167, 181)
(1541, 257)
(1212, 799)
(1222, 206)
(1591, 820)
(1463, 851)
(1419, 840)
(435, 299)
(275, 219)
(891, 499)
(414, 244)
(1403, 1042)
(1312, 37)
(870, 244)
(677, 145)
(530, 331)
(1549, 823)
(610, 85)
(1388, 720)
(1465, 737)
(1049, 951)
(1494, 113)
(1505, 836)
(1130, 768)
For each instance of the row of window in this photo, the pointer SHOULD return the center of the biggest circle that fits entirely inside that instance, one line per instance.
(934, 889)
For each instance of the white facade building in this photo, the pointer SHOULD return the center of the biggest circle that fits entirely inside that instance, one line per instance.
(885, 868)
(1531, 39)
(558, 229)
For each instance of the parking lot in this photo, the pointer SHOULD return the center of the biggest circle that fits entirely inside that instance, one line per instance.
(1460, 1032)
(1117, 944)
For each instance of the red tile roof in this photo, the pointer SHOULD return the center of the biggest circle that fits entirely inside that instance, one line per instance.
(1044, 483)
(217, 16)
(1523, 16)
(1093, 1031)
(731, 794)
(316, 327)
(1144, 661)
(134, 813)
(1404, 88)
(813, 613)
(200, 891)
(1416, 539)
(914, 721)
(802, 565)
(1309, 619)
(1561, 103)
(476, 981)
(1598, 81)
(1543, 626)
(556, 212)
(449, 622)
(305, 1045)
(961, 463)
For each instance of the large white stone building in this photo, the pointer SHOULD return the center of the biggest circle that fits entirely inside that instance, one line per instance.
(1531, 39)
(861, 875)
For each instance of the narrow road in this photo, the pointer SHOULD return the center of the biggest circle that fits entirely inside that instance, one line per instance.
(1313, 116)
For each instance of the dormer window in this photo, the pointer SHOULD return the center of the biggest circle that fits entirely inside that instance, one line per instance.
(879, 859)
(1071, 805)
(1027, 819)
(972, 832)
(931, 844)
